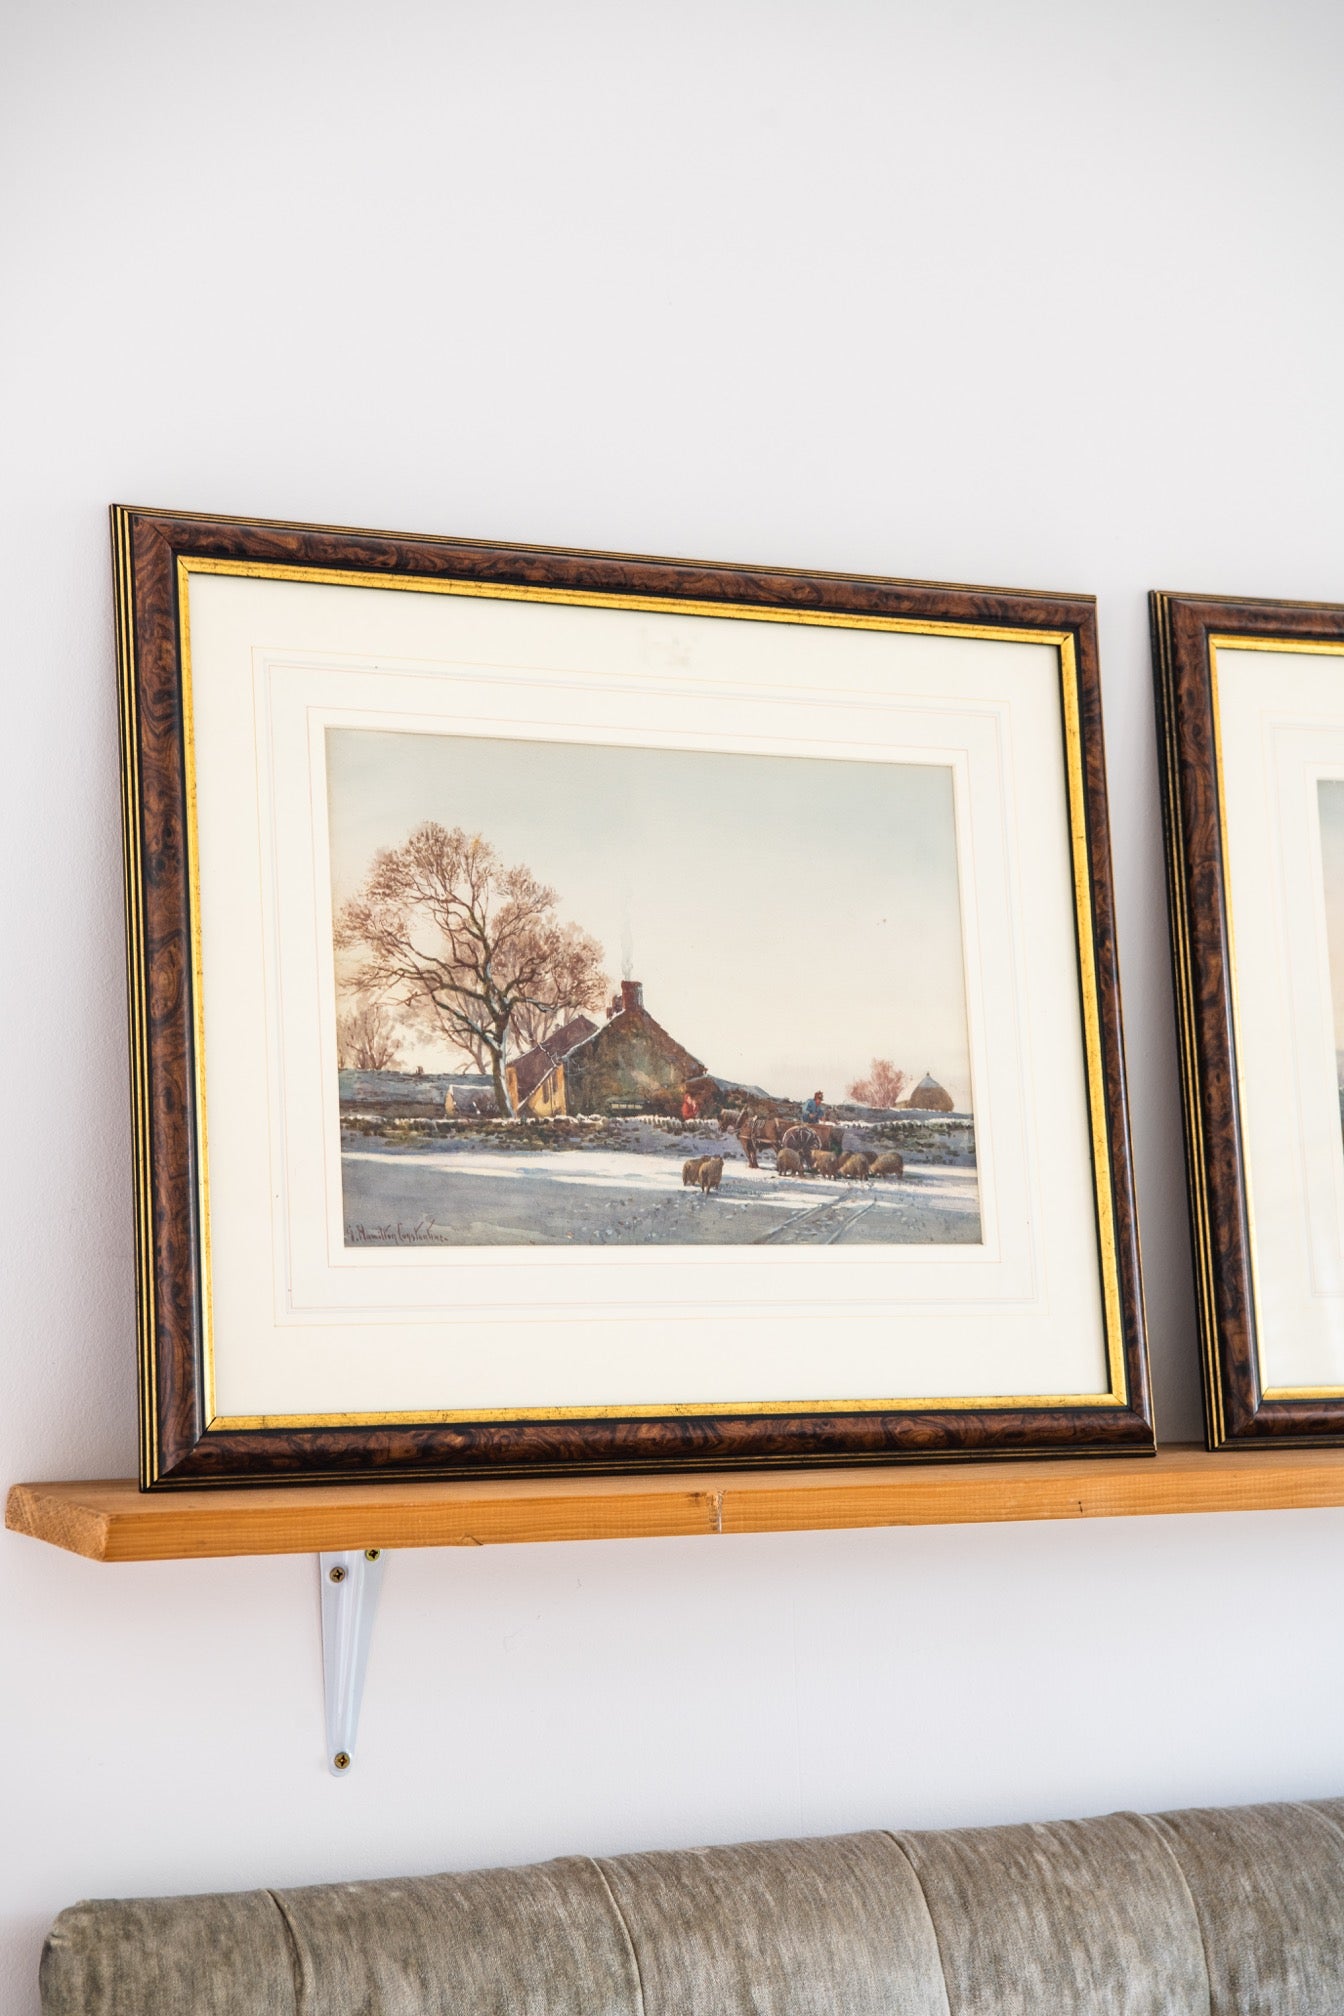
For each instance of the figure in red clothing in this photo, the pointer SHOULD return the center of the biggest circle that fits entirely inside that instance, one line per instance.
(690, 1109)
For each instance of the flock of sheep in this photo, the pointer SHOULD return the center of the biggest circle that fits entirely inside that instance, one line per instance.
(855, 1168)
(796, 1157)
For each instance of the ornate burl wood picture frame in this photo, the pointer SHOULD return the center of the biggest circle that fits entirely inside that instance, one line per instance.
(595, 1012)
(1250, 702)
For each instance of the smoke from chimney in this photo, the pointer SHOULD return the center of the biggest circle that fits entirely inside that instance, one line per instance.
(627, 938)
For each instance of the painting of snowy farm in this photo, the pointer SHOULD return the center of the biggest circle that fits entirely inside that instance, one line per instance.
(603, 996)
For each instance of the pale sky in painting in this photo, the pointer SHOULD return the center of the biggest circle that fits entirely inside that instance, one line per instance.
(790, 919)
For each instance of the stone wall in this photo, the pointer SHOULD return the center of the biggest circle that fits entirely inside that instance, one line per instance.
(920, 1136)
(405, 1091)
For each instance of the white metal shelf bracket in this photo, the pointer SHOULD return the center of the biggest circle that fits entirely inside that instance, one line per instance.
(350, 1583)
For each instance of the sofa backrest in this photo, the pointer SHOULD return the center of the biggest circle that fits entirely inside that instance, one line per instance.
(1236, 1912)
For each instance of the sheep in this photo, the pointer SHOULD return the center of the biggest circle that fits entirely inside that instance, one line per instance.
(710, 1174)
(890, 1164)
(826, 1165)
(788, 1162)
(690, 1171)
(856, 1168)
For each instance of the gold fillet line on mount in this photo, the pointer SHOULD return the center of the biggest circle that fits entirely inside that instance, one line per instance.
(1301, 647)
(662, 1410)
(1063, 643)
(197, 989)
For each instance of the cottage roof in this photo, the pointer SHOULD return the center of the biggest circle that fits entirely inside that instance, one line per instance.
(633, 1016)
(536, 1064)
(728, 1085)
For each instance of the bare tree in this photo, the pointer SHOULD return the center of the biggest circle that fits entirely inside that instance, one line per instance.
(578, 982)
(366, 1038)
(442, 926)
(882, 1087)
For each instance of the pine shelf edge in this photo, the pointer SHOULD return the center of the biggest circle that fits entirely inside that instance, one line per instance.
(114, 1521)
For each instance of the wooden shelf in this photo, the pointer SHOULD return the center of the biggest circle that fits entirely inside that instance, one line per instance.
(117, 1522)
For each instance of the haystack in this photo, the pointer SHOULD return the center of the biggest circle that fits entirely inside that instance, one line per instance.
(930, 1096)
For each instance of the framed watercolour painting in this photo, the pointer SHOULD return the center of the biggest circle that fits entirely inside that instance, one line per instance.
(1251, 712)
(591, 1012)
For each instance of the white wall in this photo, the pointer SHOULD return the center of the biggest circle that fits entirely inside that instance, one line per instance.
(1039, 294)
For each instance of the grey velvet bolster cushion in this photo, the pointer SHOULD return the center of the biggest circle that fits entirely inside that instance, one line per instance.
(1216, 1913)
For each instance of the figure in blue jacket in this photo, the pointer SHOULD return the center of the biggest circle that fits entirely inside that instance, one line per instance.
(814, 1109)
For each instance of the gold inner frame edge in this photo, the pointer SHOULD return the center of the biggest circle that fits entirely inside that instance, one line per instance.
(1103, 1189)
(1300, 647)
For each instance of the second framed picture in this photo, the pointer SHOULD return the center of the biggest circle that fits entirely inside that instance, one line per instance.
(593, 1012)
(1251, 711)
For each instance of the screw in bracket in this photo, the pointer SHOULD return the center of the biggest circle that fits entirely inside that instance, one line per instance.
(336, 1574)
(342, 1760)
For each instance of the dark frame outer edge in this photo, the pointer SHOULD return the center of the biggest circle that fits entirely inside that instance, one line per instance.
(136, 992)
(1184, 1003)
(178, 1449)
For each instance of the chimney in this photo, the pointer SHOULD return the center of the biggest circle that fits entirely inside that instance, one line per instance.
(632, 994)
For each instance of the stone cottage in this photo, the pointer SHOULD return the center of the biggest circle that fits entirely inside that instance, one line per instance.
(630, 1064)
(536, 1081)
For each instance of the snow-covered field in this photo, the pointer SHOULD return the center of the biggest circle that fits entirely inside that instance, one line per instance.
(617, 1197)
